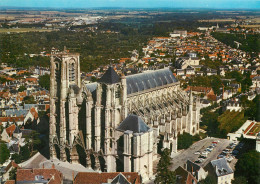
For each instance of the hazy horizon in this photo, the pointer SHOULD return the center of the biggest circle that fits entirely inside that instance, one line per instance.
(207, 4)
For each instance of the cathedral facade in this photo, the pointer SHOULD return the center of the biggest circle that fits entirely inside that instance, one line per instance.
(117, 123)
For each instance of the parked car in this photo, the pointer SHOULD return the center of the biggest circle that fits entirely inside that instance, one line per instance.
(201, 156)
(235, 152)
(229, 159)
(208, 149)
(205, 152)
(220, 156)
(198, 161)
(197, 153)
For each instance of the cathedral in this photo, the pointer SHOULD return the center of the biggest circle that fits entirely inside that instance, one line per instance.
(119, 123)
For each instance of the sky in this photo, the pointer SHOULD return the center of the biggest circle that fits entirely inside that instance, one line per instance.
(217, 4)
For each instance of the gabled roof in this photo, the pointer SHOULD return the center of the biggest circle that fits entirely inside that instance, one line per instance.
(97, 178)
(110, 77)
(133, 123)
(51, 175)
(192, 166)
(183, 176)
(10, 130)
(221, 167)
(120, 178)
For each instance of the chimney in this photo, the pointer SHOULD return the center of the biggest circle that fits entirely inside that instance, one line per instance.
(43, 166)
(53, 166)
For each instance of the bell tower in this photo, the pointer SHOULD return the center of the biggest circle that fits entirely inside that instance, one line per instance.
(65, 72)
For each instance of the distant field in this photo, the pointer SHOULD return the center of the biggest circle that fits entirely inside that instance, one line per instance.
(218, 20)
(251, 26)
(23, 30)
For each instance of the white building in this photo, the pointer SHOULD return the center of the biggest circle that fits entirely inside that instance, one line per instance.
(222, 171)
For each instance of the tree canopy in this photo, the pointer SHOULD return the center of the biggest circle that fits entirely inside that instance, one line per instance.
(4, 153)
(164, 174)
(44, 81)
(248, 165)
(184, 141)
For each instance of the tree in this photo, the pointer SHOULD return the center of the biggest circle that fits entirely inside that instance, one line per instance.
(248, 166)
(12, 174)
(21, 88)
(29, 100)
(4, 153)
(210, 119)
(164, 174)
(184, 141)
(240, 180)
(209, 180)
(216, 84)
(25, 153)
(44, 81)
(17, 158)
(32, 140)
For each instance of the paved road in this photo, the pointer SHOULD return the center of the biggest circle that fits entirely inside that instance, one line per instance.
(181, 157)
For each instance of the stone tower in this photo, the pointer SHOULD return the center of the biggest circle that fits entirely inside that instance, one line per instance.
(64, 78)
(110, 110)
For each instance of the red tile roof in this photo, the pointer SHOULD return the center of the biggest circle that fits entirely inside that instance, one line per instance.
(10, 165)
(11, 119)
(98, 178)
(34, 113)
(53, 175)
(10, 130)
(10, 182)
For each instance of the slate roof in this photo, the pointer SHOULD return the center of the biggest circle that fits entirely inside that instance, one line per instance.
(120, 178)
(221, 167)
(91, 86)
(110, 77)
(133, 123)
(149, 79)
(16, 113)
(192, 166)
(17, 130)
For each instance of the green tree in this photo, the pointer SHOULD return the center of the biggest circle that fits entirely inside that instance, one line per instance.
(209, 180)
(29, 100)
(25, 153)
(248, 165)
(17, 158)
(240, 180)
(21, 88)
(235, 75)
(164, 174)
(184, 141)
(216, 84)
(210, 119)
(12, 174)
(33, 141)
(44, 81)
(4, 153)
